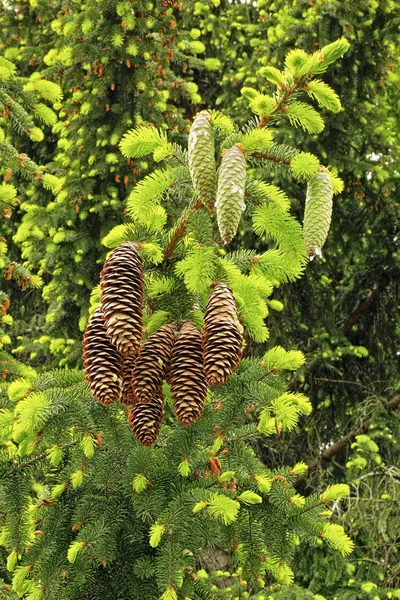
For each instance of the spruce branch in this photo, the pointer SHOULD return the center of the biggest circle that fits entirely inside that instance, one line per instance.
(180, 228)
(271, 157)
(287, 93)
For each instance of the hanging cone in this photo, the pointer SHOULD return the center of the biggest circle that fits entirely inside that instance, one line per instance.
(152, 363)
(222, 340)
(186, 375)
(221, 304)
(102, 362)
(230, 204)
(168, 3)
(128, 395)
(146, 419)
(317, 213)
(201, 153)
(122, 297)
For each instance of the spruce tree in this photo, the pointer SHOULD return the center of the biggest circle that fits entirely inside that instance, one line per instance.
(90, 511)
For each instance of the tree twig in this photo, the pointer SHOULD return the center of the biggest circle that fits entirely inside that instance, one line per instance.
(180, 228)
(338, 446)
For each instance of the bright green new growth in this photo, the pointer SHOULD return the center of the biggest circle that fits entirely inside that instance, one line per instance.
(230, 203)
(115, 509)
(201, 154)
(317, 213)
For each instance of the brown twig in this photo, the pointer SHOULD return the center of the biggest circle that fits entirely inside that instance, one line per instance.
(364, 304)
(288, 92)
(266, 156)
(180, 228)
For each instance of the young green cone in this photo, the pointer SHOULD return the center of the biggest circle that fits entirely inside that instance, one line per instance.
(230, 192)
(317, 213)
(202, 158)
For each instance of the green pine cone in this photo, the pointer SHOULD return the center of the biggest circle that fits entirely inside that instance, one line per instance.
(230, 192)
(317, 213)
(202, 159)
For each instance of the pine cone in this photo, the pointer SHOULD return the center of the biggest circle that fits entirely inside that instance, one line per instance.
(128, 395)
(230, 192)
(317, 213)
(122, 297)
(146, 419)
(186, 376)
(221, 304)
(168, 3)
(102, 362)
(222, 340)
(202, 158)
(152, 363)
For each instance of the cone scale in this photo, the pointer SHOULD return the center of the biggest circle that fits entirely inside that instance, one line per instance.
(128, 395)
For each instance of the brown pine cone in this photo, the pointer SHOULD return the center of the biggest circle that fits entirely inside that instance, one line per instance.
(222, 339)
(128, 395)
(221, 304)
(186, 376)
(102, 362)
(121, 287)
(153, 362)
(146, 419)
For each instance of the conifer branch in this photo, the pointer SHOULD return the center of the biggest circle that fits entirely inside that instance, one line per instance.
(277, 159)
(338, 446)
(264, 121)
(364, 304)
(42, 456)
(180, 228)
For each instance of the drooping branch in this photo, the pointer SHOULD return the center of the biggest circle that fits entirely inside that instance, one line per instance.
(348, 323)
(338, 446)
(364, 304)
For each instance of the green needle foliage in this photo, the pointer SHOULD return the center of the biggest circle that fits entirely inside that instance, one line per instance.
(87, 511)
(24, 110)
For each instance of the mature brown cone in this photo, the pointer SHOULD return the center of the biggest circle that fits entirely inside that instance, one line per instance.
(128, 395)
(102, 362)
(186, 375)
(153, 362)
(121, 287)
(146, 419)
(222, 339)
(221, 304)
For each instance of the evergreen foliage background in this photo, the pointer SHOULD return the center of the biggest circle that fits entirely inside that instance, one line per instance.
(161, 68)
